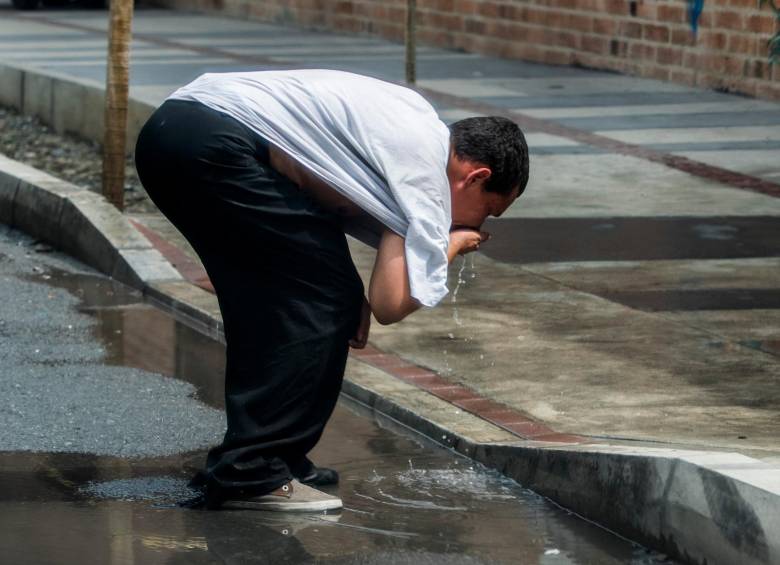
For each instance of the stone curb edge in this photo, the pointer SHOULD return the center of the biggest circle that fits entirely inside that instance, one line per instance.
(65, 104)
(701, 507)
(81, 223)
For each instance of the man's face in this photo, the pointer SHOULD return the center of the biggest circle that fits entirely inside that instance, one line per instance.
(471, 207)
(471, 203)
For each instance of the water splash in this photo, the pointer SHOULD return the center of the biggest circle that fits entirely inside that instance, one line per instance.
(471, 482)
(454, 298)
(447, 368)
(468, 263)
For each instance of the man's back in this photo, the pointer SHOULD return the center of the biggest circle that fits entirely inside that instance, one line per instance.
(380, 145)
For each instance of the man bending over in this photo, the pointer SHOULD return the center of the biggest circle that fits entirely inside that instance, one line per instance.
(264, 173)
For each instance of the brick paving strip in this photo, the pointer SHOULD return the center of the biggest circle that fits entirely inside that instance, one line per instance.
(498, 414)
(189, 268)
(528, 123)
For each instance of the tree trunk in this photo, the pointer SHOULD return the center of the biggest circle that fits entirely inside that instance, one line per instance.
(117, 87)
(411, 43)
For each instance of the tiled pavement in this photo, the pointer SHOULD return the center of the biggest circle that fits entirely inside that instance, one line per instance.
(631, 294)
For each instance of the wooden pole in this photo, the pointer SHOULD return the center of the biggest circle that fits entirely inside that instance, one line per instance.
(117, 87)
(411, 43)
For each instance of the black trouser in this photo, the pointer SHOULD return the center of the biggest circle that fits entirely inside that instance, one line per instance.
(288, 291)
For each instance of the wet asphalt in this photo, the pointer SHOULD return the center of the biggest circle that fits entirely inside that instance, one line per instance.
(59, 395)
(109, 406)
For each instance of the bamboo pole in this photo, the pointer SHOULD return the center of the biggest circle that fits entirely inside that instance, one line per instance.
(117, 87)
(411, 41)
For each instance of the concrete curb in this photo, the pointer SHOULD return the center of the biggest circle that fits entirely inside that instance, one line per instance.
(65, 104)
(701, 507)
(697, 506)
(81, 223)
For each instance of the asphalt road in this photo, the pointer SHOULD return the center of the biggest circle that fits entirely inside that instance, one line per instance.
(58, 393)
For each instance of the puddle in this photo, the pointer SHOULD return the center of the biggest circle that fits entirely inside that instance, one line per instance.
(406, 499)
(159, 489)
(529, 240)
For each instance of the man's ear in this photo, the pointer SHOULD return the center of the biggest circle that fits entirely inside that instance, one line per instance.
(480, 175)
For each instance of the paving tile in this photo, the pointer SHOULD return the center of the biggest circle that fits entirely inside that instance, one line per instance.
(386, 361)
(646, 109)
(452, 393)
(695, 134)
(527, 429)
(479, 405)
(560, 438)
(503, 416)
(416, 374)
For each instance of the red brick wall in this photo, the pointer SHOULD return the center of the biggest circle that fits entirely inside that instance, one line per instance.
(649, 38)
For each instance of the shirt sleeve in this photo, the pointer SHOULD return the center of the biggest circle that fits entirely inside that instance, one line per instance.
(415, 171)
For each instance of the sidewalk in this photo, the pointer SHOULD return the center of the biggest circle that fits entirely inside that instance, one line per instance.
(631, 297)
(621, 299)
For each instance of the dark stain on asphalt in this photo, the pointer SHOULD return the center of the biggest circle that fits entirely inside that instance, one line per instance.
(698, 299)
(531, 240)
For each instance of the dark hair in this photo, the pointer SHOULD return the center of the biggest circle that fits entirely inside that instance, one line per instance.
(498, 144)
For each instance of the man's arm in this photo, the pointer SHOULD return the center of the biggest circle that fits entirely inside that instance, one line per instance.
(389, 293)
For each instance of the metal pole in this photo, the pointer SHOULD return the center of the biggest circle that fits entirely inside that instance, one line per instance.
(411, 45)
(117, 87)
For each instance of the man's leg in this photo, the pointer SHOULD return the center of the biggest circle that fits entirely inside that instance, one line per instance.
(289, 294)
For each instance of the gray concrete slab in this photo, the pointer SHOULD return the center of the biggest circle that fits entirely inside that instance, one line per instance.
(607, 99)
(693, 119)
(607, 185)
(746, 104)
(695, 134)
(767, 149)
(761, 160)
(690, 274)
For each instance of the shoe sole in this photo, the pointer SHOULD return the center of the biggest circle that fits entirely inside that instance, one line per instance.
(314, 506)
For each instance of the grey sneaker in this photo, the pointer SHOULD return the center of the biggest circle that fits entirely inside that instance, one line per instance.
(292, 497)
